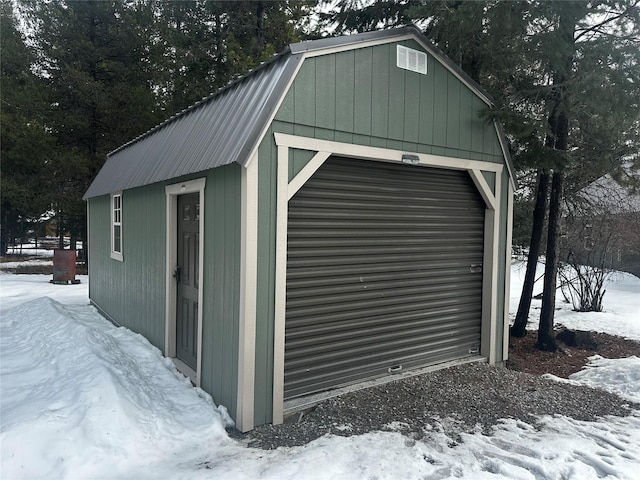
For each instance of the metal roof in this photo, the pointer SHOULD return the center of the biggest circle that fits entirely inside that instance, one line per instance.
(219, 130)
(227, 126)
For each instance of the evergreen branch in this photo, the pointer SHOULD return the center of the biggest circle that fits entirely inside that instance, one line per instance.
(597, 27)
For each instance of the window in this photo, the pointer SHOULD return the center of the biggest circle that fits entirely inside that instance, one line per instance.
(411, 59)
(116, 226)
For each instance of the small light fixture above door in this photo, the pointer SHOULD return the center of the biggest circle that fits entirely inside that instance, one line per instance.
(410, 159)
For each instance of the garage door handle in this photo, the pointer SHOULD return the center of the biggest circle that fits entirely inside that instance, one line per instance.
(395, 369)
(475, 268)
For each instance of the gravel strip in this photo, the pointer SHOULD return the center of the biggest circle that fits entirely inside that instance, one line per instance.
(464, 398)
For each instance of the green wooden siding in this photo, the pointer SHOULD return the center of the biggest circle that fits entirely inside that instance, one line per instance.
(221, 299)
(361, 97)
(127, 291)
(132, 292)
(362, 92)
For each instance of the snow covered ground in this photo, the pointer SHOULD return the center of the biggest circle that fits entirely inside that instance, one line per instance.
(621, 305)
(83, 399)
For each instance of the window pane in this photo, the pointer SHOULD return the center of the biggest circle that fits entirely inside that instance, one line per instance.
(117, 239)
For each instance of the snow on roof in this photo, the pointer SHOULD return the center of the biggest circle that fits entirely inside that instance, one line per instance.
(609, 197)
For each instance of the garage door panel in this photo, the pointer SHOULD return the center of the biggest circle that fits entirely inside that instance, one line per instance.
(327, 336)
(367, 260)
(437, 241)
(382, 271)
(361, 298)
(403, 345)
(356, 279)
(367, 287)
(358, 270)
(341, 373)
(347, 319)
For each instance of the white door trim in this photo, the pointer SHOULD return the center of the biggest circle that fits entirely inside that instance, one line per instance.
(172, 192)
(325, 148)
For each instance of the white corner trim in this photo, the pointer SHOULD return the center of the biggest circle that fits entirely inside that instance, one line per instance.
(248, 289)
(305, 174)
(492, 231)
(507, 278)
(172, 192)
(483, 187)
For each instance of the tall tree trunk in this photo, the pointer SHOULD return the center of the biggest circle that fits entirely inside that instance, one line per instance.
(546, 340)
(60, 231)
(519, 328)
(260, 25)
(558, 139)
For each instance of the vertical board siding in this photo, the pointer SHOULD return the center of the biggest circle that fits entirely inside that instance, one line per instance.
(440, 107)
(426, 117)
(411, 100)
(362, 98)
(363, 92)
(132, 292)
(382, 96)
(326, 89)
(345, 78)
(454, 114)
(466, 120)
(304, 94)
(221, 298)
(101, 267)
(144, 259)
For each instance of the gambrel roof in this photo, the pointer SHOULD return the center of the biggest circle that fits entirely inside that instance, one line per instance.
(228, 126)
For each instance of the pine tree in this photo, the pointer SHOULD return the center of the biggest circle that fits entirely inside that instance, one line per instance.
(92, 59)
(27, 145)
(565, 79)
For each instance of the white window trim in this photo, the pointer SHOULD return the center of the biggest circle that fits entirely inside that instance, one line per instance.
(116, 255)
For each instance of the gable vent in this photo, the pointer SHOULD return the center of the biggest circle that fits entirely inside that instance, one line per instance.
(411, 59)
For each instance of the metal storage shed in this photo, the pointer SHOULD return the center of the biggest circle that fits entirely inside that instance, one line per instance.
(337, 215)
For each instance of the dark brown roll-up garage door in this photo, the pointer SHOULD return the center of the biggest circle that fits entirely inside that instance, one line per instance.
(384, 272)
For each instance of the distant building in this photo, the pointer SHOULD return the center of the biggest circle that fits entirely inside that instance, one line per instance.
(603, 226)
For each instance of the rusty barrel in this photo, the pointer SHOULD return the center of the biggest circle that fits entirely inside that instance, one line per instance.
(64, 266)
